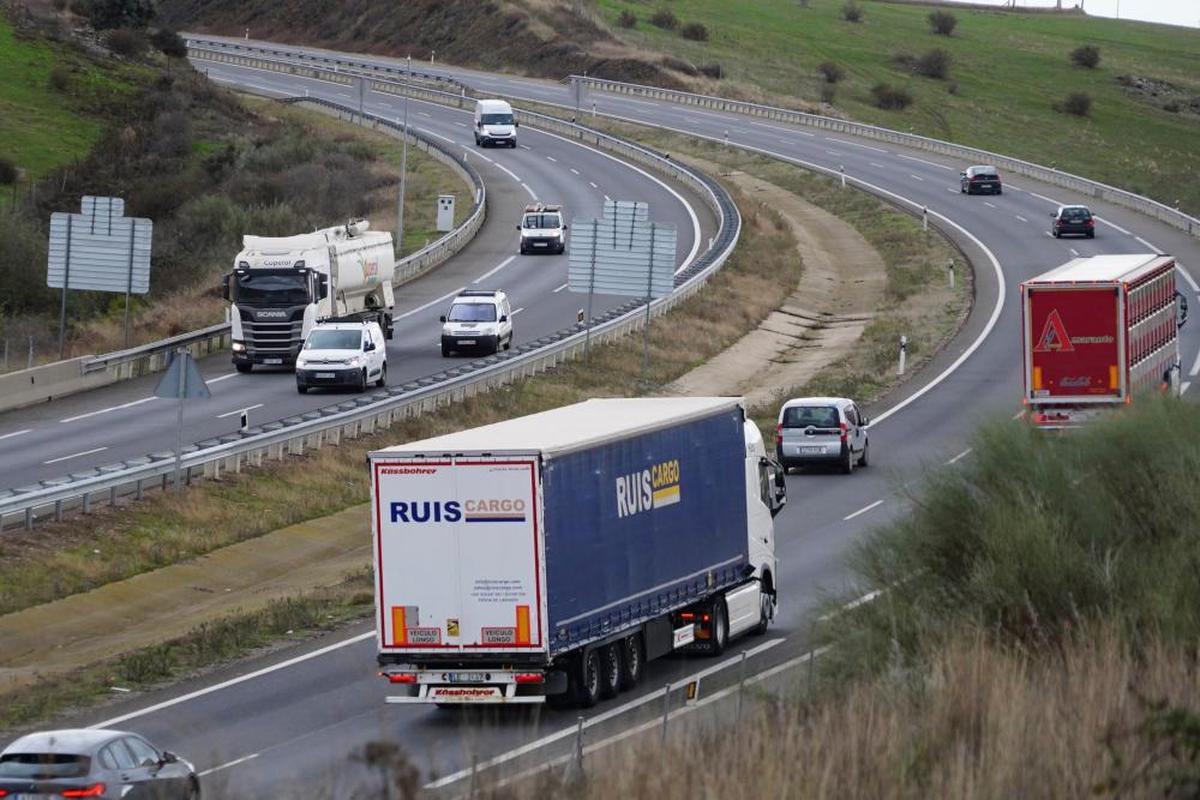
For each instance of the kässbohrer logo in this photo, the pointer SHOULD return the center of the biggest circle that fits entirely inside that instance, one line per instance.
(648, 489)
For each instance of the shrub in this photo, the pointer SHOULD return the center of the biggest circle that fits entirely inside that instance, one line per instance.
(1087, 55)
(679, 65)
(952, 87)
(109, 14)
(627, 19)
(59, 79)
(694, 31)
(852, 12)
(831, 72)
(828, 93)
(60, 5)
(714, 71)
(8, 172)
(125, 42)
(1076, 103)
(169, 43)
(82, 8)
(933, 64)
(891, 98)
(942, 22)
(664, 18)
(1172, 107)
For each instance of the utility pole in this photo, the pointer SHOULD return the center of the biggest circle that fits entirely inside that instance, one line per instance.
(403, 161)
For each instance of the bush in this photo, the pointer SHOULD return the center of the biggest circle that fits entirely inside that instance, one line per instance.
(109, 14)
(59, 79)
(8, 172)
(664, 18)
(891, 98)
(828, 93)
(852, 12)
(627, 19)
(952, 87)
(60, 5)
(1087, 55)
(1076, 103)
(679, 65)
(942, 22)
(831, 72)
(169, 43)
(714, 71)
(933, 64)
(694, 31)
(125, 42)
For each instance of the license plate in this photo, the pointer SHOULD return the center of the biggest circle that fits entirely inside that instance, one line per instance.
(272, 360)
(539, 244)
(33, 797)
(812, 451)
(466, 341)
(466, 677)
(324, 375)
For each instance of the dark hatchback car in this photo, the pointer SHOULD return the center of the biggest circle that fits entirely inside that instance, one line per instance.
(974, 180)
(93, 763)
(1072, 219)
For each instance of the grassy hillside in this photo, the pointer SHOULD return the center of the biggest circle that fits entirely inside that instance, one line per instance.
(1007, 70)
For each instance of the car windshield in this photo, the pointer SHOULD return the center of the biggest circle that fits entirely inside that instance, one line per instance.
(816, 416)
(44, 766)
(1076, 214)
(543, 221)
(272, 289)
(333, 340)
(472, 312)
(496, 119)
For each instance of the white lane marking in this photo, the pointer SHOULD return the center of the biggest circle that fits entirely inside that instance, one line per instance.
(556, 291)
(228, 764)
(853, 604)
(574, 170)
(1022, 218)
(594, 186)
(481, 155)
(75, 455)
(1188, 277)
(130, 404)
(1184, 386)
(989, 205)
(525, 147)
(462, 124)
(862, 510)
(833, 152)
(1018, 415)
(493, 270)
(425, 114)
(951, 191)
(518, 311)
(876, 164)
(1114, 226)
(438, 135)
(855, 144)
(639, 102)
(960, 456)
(1146, 244)
(1073, 251)
(607, 199)
(916, 177)
(239, 410)
(1050, 200)
(184, 698)
(510, 173)
(532, 193)
(599, 718)
(418, 309)
(27, 430)
(552, 158)
(222, 378)
(1195, 367)
(785, 130)
(722, 117)
(923, 161)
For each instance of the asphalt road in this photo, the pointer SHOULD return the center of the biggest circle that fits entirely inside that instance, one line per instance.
(292, 720)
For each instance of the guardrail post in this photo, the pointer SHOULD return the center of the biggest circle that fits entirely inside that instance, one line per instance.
(950, 272)
(925, 218)
(87, 502)
(58, 505)
(138, 493)
(112, 495)
(29, 519)
(666, 712)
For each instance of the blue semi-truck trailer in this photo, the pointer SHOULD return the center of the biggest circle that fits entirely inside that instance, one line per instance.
(550, 557)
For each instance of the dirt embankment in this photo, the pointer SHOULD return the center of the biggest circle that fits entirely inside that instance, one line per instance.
(545, 38)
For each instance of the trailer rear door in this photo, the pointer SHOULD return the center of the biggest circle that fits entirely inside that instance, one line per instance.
(458, 554)
(1074, 344)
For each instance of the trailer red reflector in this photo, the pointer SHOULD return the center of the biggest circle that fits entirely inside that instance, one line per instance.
(399, 677)
(532, 677)
(95, 790)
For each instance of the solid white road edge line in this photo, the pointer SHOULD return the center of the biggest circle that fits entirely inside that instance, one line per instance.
(1178, 267)
(1114, 226)
(596, 720)
(494, 270)
(75, 455)
(862, 510)
(853, 604)
(108, 723)
(960, 456)
(532, 194)
(227, 765)
(1183, 387)
(130, 404)
(505, 169)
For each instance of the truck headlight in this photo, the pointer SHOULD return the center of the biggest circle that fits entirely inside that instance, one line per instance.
(239, 347)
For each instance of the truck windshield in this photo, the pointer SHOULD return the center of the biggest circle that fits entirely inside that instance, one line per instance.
(496, 119)
(273, 289)
(542, 221)
(333, 340)
(472, 312)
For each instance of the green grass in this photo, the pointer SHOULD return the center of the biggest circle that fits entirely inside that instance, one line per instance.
(40, 128)
(1008, 67)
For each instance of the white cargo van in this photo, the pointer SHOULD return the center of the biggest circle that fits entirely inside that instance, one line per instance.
(494, 124)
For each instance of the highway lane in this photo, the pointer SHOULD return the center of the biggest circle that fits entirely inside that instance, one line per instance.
(123, 421)
(305, 719)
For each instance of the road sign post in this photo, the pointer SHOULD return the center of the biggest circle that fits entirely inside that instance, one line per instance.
(182, 381)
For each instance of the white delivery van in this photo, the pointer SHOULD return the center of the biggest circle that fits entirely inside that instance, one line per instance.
(494, 124)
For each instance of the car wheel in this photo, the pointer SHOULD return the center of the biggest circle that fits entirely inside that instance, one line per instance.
(999, 191)
(362, 380)
(610, 671)
(1091, 235)
(301, 389)
(508, 342)
(633, 661)
(193, 790)
(382, 376)
(495, 345)
(863, 459)
(244, 367)
(587, 680)
(446, 351)
(719, 636)
(1056, 234)
(848, 460)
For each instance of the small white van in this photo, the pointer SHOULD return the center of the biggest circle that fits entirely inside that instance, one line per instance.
(494, 124)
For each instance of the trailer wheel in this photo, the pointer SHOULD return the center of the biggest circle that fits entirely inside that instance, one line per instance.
(633, 661)
(610, 671)
(720, 628)
(587, 679)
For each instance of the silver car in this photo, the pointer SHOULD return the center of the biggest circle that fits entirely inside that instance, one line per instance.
(822, 430)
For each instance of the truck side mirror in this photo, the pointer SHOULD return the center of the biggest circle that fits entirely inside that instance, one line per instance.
(225, 287)
(323, 287)
(518, 227)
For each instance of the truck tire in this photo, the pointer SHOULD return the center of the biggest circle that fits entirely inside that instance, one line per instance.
(764, 615)
(586, 679)
(244, 367)
(382, 382)
(633, 661)
(719, 637)
(610, 671)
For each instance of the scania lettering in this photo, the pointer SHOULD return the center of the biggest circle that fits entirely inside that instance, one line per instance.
(281, 287)
(554, 555)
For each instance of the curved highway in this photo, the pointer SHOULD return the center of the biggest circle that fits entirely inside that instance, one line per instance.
(291, 720)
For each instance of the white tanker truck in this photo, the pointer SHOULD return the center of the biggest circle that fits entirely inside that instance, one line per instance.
(281, 287)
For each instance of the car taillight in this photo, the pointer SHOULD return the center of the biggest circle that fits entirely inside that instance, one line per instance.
(95, 790)
(779, 434)
(532, 677)
(3, 792)
(1091, 222)
(845, 430)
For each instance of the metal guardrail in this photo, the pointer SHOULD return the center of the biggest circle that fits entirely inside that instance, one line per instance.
(369, 412)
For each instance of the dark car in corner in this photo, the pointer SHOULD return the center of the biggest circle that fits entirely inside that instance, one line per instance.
(94, 763)
(979, 179)
(1072, 219)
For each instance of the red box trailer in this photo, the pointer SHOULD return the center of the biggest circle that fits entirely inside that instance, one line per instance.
(1097, 331)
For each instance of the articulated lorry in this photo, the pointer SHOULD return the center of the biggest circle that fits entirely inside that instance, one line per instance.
(550, 557)
(1097, 332)
(281, 287)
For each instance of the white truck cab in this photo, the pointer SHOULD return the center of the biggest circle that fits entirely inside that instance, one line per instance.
(478, 319)
(335, 353)
(543, 229)
(495, 124)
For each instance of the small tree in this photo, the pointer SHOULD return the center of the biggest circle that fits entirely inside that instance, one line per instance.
(1078, 104)
(627, 19)
(125, 42)
(852, 12)
(933, 64)
(831, 72)
(891, 98)
(1087, 55)
(942, 22)
(170, 43)
(694, 31)
(108, 14)
(8, 172)
(665, 18)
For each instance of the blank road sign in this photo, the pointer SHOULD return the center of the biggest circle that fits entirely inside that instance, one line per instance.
(622, 256)
(100, 252)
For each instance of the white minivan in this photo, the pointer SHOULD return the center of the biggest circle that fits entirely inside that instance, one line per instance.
(822, 430)
(480, 320)
(342, 354)
(494, 124)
